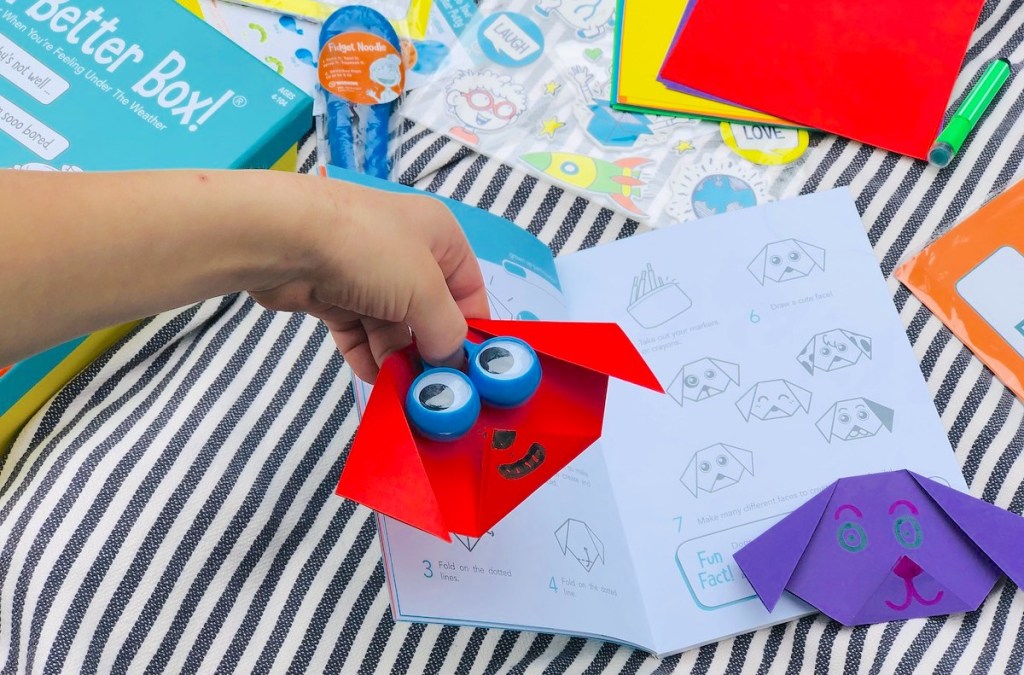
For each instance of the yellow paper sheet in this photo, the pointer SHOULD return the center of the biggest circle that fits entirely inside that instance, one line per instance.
(192, 6)
(648, 27)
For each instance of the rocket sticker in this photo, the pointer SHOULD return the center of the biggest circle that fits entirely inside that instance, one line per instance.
(621, 180)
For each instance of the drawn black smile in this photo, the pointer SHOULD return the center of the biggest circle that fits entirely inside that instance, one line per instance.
(524, 466)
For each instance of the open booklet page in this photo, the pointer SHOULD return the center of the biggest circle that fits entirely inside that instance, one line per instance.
(786, 367)
(560, 561)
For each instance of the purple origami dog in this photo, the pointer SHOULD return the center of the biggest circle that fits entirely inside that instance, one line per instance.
(887, 546)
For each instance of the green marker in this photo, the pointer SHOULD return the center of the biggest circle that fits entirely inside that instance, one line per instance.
(969, 112)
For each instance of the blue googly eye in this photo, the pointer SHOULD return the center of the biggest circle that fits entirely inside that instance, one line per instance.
(505, 371)
(442, 404)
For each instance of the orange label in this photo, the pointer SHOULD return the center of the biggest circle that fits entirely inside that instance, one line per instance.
(362, 68)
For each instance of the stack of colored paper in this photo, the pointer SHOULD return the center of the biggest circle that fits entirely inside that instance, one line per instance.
(876, 71)
(644, 35)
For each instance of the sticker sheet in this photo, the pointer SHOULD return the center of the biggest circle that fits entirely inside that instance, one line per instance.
(529, 83)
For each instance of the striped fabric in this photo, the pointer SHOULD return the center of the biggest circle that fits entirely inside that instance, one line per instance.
(171, 510)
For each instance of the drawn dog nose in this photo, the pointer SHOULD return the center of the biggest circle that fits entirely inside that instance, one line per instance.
(906, 568)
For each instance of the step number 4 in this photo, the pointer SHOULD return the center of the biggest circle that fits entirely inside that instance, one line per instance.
(552, 585)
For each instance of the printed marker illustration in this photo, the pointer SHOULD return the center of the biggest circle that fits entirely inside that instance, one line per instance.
(590, 18)
(575, 538)
(483, 102)
(620, 180)
(855, 418)
(717, 467)
(786, 260)
(703, 379)
(470, 542)
(833, 350)
(774, 400)
(655, 301)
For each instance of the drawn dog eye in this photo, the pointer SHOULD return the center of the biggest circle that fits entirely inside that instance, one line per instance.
(705, 467)
(784, 398)
(794, 256)
(762, 399)
(825, 351)
(691, 381)
(775, 260)
(908, 532)
(841, 347)
(852, 537)
(709, 374)
(862, 414)
(844, 418)
(721, 460)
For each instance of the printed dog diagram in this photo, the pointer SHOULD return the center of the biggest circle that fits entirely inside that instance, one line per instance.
(786, 260)
(717, 467)
(575, 538)
(773, 400)
(855, 418)
(703, 379)
(833, 350)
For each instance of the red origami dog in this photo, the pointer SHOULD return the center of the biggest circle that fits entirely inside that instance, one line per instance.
(467, 485)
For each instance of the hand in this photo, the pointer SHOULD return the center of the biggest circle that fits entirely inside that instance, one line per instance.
(371, 264)
(377, 265)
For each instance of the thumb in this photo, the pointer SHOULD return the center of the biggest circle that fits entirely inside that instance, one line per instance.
(437, 322)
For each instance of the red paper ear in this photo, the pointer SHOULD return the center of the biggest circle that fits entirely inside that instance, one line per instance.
(601, 347)
(384, 470)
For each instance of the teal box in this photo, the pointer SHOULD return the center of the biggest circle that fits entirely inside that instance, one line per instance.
(100, 85)
(133, 84)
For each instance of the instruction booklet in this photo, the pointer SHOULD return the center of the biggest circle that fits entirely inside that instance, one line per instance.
(786, 368)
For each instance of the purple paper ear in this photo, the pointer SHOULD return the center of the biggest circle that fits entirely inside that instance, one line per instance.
(997, 532)
(769, 561)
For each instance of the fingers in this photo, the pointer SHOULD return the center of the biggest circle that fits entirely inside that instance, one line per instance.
(467, 286)
(436, 321)
(386, 338)
(354, 346)
(460, 267)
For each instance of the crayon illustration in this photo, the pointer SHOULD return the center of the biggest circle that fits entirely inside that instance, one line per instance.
(620, 180)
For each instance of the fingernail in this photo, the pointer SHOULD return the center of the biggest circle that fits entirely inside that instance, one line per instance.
(456, 360)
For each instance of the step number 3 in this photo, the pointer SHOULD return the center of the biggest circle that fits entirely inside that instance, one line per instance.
(428, 572)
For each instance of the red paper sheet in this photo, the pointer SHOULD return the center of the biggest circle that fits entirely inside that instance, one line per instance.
(877, 71)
